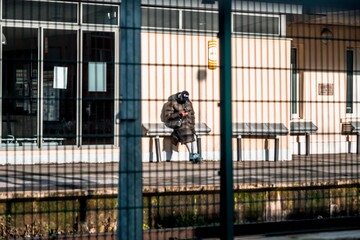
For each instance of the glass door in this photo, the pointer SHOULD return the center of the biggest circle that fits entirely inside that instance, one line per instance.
(20, 84)
(59, 86)
(98, 88)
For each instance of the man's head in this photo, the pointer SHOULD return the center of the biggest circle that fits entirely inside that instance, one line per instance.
(183, 96)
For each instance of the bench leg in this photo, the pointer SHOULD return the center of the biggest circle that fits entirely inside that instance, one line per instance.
(151, 156)
(198, 144)
(239, 158)
(276, 157)
(307, 144)
(357, 143)
(266, 150)
(299, 144)
(157, 145)
(349, 143)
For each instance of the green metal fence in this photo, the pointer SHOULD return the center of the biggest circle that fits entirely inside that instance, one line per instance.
(185, 119)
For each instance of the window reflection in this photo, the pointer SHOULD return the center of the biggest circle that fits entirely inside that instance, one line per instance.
(59, 86)
(98, 14)
(20, 83)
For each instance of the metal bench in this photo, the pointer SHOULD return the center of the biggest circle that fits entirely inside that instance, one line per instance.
(8, 139)
(57, 140)
(303, 128)
(31, 140)
(157, 130)
(259, 130)
(352, 128)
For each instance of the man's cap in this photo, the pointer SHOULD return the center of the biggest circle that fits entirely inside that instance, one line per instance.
(185, 95)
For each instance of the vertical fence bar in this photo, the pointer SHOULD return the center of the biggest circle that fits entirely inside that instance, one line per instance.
(130, 168)
(226, 167)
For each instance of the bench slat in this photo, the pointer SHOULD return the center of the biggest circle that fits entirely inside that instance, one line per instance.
(160, 130)
(302, 128)
(259, 129)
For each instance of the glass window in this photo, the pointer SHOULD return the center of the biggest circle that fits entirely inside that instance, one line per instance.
(40, 11)
(294, 81)
(256, 24)
(160, 18)
(202, 21)
(100, 14)
(349, 80)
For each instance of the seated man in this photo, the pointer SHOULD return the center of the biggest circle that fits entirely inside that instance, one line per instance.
(178, 114)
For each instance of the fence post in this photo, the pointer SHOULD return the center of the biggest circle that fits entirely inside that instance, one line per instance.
(226, 168)
(130, 217)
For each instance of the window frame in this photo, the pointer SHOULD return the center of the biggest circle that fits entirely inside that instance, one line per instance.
(181, 27)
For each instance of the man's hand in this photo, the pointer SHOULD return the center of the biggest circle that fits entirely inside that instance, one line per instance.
(183, 114)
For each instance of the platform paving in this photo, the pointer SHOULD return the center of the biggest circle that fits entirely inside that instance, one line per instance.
(43, 180)
(84, 179)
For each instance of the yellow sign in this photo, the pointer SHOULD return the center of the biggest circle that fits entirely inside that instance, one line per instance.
(212, 55)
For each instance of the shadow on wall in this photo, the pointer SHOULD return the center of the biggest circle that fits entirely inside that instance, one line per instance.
(201, 75)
